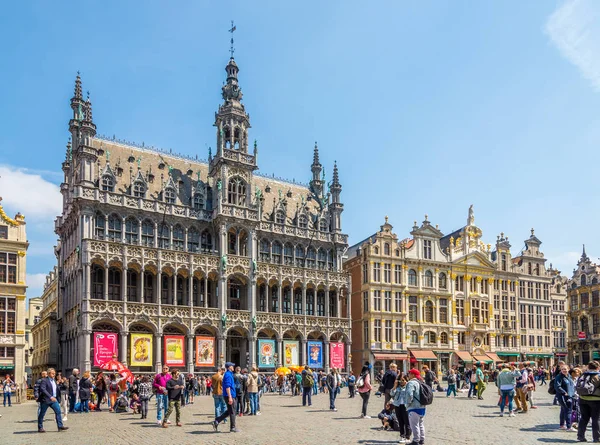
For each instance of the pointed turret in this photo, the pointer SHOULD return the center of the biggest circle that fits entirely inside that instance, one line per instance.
(316, 183)
(77, 93)
(78, 108)
(336, 205)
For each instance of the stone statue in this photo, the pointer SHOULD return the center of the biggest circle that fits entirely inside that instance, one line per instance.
(254, 322)
(219, 185)
(224, 262)
(471, 219)
(254, 266)
(223, 320)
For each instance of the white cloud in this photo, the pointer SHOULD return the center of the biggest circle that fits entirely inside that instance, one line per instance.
(574, 28)
(35, 283)
(29, 193)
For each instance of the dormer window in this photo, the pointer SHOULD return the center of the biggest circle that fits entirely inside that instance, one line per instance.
(323, 226)
(170, 196)
(303, 222)
(108, 183)
(280, 217)
(504, 264)
(198, 201)
(139, 189)
(236, 192)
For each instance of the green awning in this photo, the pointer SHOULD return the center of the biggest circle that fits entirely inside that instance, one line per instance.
(507, 354)
(538, 355)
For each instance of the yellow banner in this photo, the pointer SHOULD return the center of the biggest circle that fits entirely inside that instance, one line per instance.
(141, 350)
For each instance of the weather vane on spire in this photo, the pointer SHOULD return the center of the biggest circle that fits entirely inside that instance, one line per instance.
(231, 49)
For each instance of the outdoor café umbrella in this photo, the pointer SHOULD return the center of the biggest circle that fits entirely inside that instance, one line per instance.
(282, 371)
(127, 375)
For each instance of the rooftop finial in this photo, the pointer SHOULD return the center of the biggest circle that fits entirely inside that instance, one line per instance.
(584, 254)
(471, 219)
(386, 219)
(232, 49)
(532, 231)
(336, 179)
(77, 93)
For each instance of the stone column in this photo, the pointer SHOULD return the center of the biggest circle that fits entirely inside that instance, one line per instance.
(158, 351)
(303, 298)
(252, 350)
(326, 301)
(191, 290)
(122, 347)
(190, 352)
(304, 352)
(85, 361)
(338, 304)
(124, 285)
(87, 281)
(175, 288)
(142, 282)
(279, 352)
(106, 282)
(206, 291)
(326, 355)
(159, 287)
(279, 298)
(222, 352)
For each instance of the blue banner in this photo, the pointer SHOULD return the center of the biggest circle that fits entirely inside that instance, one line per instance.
(315, 354)
(266, 353)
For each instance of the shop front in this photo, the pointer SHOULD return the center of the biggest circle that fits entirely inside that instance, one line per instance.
(387, 358)
(424, 357)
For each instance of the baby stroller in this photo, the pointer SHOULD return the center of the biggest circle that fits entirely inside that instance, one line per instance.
(122, 404)
(575, 414)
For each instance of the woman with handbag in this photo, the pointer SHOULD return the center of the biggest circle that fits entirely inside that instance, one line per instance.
(363, 385)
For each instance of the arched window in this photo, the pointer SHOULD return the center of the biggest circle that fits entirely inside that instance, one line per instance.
(193, 240)
(131, 231)
(397, 252)
(443, 281)
(299, 256)
(428, 278)
(114, 284)
(444, 338)
(277, 252)
(504, 263)
(430, 337)
(148, 233)
(583, 280)
(321, 259)
(265, 251)
(302, 222)
(198, 201)
(100, 225)
(288, 255)
(115, 226)
(178, 237)
(97, 273)
(414, 337)
(108, 183)
(236, 191)
(412, 308)
(323, 226)
(584, 325)
(280, 217)
(164, 235)
(331, 260)
(376, 250)
(386, 249)
(428, 312)
(170, 195)
(412, 277)
(311, 257)
(206, 243)
(139, 189)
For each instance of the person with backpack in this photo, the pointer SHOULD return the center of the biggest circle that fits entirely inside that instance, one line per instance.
(415, 405)
(451, 383)
(565, 390)
(238, 380)
(308, 382)
(506, 385)
(252, 390)
(100, 389)
(588, 389)
(36, 389)
(363, 384)
(351, 384)
(73, 388)
(472, 379)
(113, 392)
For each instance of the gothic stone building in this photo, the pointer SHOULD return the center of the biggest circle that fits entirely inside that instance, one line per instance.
(584, 312)
(195, 263)
(447, 300)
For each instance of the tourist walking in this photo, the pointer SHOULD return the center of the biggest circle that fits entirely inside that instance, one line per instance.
(63, 385)
(530, 387)
(416, 411)
(216, 382)
(145, 392)
(351, 383)
(174, 389)
(429, 376)
(588, 388)
(480, 379)
(565, 390)
(252, 390)
(100, 389)
(230, 395)
(399, 401)
(308, 382)
(73, 387)
(521, 389)
(505, 382)
(332, 387)
(239, 382)
(49, 396)
(162, 398)
(85, 392)
(451, 383)
(364, 388)
(387, 382)
(471, 377)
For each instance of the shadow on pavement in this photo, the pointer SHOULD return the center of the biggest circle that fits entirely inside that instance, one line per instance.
(546, 427)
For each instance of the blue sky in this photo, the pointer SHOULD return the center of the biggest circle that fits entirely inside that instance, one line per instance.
(427, 106)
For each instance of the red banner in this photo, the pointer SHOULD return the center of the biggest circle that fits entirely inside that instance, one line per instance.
(174, 350)
(581, 335)
(336, 355)
(105, 345)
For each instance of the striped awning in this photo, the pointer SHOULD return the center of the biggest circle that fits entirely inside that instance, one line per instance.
(493, 356)
(483, 358)
(464, 356)
(390, 356)
(423, 355)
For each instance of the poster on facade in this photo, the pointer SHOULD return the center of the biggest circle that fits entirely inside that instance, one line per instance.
(336, 355)
(205, 351)
(266, 353)
(105, 346)
(174, 350)
(290, 353)
(141, 350)
(315, 354)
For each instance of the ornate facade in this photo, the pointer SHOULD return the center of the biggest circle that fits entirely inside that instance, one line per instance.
(13, 251)
(157, 244)
(450, 299)
(44, 332)
(584, 312)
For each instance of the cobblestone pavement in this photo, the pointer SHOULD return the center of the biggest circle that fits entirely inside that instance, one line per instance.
(285, 421)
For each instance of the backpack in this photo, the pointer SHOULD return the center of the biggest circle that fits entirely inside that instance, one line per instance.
(425, 394)
(261, 382)
(308, 381)
(360, 382)
(552, 388)
(114, 386)
(585, 386)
